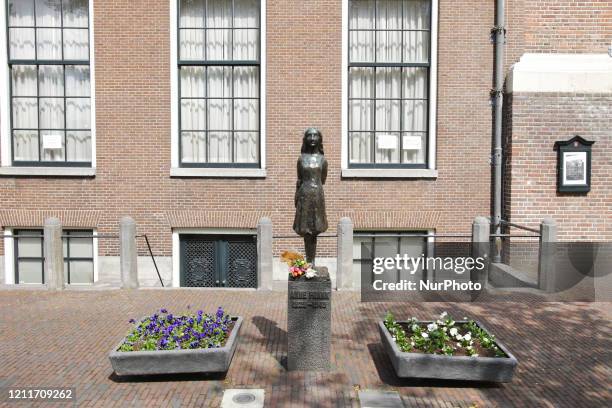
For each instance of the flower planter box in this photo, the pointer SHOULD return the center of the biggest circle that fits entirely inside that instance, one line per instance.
(436, 366)
(210, 360)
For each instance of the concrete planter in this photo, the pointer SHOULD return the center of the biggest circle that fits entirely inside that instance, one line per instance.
(434, 366)
(213, 360)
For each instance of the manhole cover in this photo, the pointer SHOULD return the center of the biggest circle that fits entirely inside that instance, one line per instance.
(243, 398)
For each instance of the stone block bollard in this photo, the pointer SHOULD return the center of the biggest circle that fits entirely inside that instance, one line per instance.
(54, 254)
(547, 255)
(264, 253)
(481, 235)
(128, 251)
(344, 270)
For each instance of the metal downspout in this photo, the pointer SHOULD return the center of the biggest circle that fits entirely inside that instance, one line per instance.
(500, 38)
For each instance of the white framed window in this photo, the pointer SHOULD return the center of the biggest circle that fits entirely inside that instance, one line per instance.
(24, 256)
(48, 107)
(389, 88)
(368, 245)
(218, 97)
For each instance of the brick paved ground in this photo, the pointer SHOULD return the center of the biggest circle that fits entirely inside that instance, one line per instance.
(62, 339)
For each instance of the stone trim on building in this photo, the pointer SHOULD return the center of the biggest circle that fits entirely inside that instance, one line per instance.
(36, 218)
(397, 220)
(215, 219)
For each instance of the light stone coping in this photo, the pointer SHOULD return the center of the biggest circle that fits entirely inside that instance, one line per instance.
(48, 171)
(390, 173)
(441, 367)
(211, 360)
(558, 73)
(217, 172)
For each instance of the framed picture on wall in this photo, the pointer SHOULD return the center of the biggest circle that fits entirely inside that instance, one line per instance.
(574, 165)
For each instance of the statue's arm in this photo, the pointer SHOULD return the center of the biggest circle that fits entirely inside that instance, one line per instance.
(298, 183)
(324, 171)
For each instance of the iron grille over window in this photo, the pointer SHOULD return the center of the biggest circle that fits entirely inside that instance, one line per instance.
(219, 77)
(48, 42)
(389, 69)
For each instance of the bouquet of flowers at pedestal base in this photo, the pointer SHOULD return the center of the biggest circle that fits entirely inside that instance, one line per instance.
(298, 266)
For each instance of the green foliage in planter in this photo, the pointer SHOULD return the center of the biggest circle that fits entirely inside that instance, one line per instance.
(164, 331)
(444, 336)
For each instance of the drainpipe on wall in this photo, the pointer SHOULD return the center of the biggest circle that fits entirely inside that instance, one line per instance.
(498, 92)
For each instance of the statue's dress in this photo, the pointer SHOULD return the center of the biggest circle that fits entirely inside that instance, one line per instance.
(310, 218)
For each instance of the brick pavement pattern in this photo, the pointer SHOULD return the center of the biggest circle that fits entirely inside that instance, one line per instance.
(63, 339)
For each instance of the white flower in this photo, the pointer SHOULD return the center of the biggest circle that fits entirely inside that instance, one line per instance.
(459, 337)
(443, 315)
(474, 355)
(453, 331)
(415, 327)
(468, 348)
(432, 327)
(310, 273)
(412, 343)
(458, 344)
(445, 329)
(468, 337)
(425, 335)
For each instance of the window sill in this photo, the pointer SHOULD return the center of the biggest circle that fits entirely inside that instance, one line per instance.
(217, 172)
(390, 173)
(48, 171)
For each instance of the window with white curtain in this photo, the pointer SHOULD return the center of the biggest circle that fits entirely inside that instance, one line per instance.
(48, 58)
(389, 70)
(219, 76)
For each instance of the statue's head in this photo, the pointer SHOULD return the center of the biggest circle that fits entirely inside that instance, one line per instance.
(313, 141)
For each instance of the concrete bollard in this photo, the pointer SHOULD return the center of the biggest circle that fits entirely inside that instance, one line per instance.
(54, 254)
(481, 235)
(128, 251)
(547, 255)
(344, 270)
(264, 253)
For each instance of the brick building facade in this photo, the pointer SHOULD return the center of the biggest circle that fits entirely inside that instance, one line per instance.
(135, 169)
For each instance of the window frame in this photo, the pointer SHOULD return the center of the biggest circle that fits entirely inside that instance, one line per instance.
(67, 258)
(178, 64)
(11, 253)
(8, 165)
(427, 235)
(17, 258)
(390, 170)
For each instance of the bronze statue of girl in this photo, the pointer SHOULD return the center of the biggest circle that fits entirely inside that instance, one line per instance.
(310, 218)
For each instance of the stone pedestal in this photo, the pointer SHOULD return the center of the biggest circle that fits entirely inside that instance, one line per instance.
(309, 323)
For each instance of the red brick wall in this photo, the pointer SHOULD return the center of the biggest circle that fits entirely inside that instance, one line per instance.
(538, 121)
(534, 122)
(303, 89)
(558, 26)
